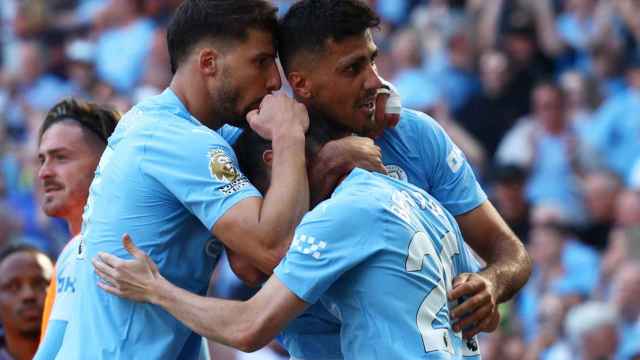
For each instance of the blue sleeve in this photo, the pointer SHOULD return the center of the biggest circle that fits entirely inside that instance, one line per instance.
(230, 133)
(452, 180)
(52, 341)
(199, 168)
(327, 243)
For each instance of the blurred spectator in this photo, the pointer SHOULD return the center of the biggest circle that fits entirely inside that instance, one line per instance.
(592, 330)
(600, 191)
(546, 144)
(562, 266)
(417, 91)
(40, 90)
(81, 68)
(24, 276)
(122, 47)
(618, 126)
(550, 342)
(488, 115)
(509, 198)
(625, 290)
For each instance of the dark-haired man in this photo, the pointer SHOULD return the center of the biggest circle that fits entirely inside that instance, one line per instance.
(72, 137)
(328, 54)
(373, 239)
(24, 276)
(168, 179)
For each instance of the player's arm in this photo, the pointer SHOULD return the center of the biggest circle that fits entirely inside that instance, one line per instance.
(508, 269)
(260, 229)
(245, 271)
(508, 264)
(247, 326)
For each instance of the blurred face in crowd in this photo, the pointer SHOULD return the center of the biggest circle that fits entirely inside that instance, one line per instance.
(342, 81)
(627, 208)
(24, 277)
(248, 73)
(600, 191)
(405, 50)
(626, 287)
(494, 72)
(68, 158)
(600, 343)
(545, 245)
(30, 62)
(633, 76)
(548, 105)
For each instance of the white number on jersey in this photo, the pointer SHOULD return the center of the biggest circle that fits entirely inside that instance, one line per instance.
(420, 246)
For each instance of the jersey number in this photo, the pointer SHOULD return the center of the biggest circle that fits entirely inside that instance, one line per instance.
(421, 246)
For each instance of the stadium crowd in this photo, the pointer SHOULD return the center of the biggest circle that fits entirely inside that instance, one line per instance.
(543, 97)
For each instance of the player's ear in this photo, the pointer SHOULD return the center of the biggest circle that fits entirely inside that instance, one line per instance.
(208, 61)
(300, 84)
(267, 157)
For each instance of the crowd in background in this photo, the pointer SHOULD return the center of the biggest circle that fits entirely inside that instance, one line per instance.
(543, 96)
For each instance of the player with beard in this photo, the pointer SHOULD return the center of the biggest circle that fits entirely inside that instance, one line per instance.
(72, 137)
(172, 182)
(24, 276)
(328, 54)
(374, 238)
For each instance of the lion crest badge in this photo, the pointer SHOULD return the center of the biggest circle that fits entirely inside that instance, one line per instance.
(221, 166)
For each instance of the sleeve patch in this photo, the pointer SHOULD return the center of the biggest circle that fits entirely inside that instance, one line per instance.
(223, 169)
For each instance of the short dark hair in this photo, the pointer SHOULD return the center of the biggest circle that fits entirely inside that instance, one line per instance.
(16, 248)
(310, 23)
(250, 146)
(99, 120)
(195, 20)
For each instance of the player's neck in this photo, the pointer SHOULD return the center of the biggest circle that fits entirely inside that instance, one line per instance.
(75, 224)
(193, 95)
(20, 348)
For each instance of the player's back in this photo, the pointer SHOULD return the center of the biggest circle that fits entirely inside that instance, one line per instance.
(132, 193)
(399, 251)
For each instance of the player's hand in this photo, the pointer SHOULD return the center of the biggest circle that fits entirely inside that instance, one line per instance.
(479, 311)
(279, 114)
(337, 158)
(131, 279)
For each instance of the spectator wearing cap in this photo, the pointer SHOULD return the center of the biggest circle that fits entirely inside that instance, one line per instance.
(24, 276)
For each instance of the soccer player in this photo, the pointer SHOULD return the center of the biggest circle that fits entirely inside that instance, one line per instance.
(380, 253)
(72, 137)
(328, 54)
(172, 182)
(24, 275)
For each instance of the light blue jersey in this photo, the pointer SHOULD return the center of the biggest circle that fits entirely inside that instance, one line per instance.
(417, 151)
(381, 255)
(165, 179)
(64, 303)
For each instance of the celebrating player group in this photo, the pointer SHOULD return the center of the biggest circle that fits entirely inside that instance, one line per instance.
(361, 220)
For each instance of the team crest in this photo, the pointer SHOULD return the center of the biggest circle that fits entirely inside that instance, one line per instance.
(221, 166)
(396, 172)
